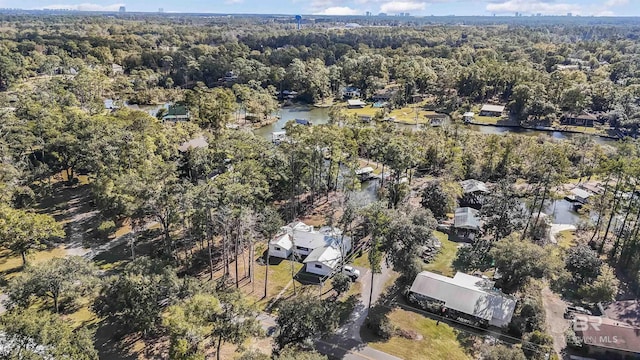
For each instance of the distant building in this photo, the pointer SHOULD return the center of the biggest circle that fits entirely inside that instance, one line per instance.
(466, 218)
(473, 192)
(161, 10)
(117, 69)
(368, 13)
(356, 104)
(351, 92)
(229, 76)
(382, 14)
(492, 110)
(176, 113)
(569, 14)
(195, 143)
(122, 9)
(303, 122)
(584, 119)
(468, 117)
(385, 94)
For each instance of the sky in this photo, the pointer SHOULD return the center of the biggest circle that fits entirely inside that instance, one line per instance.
(350, 7)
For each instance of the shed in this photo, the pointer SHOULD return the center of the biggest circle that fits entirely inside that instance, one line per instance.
(466, 218)
(580, 195)
(356, 104)
(468, 117)
(176, 113)
(492, 110)
(473, 186)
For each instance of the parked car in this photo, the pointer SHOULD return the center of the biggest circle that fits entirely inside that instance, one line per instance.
(351, 272)
(571, 310)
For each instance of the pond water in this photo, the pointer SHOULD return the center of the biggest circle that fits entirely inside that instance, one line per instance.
(561, 211)
(500, 130)
(316, 116)
(319, 116)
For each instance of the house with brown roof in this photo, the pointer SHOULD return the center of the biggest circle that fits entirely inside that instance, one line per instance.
(584, 119)
(605, 338)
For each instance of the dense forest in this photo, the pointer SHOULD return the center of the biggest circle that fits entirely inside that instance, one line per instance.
(114, 236)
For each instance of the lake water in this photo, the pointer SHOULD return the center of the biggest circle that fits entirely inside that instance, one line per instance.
(316, 116)
(561, 211)
(319, 116)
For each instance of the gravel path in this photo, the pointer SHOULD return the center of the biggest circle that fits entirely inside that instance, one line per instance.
(554, 318)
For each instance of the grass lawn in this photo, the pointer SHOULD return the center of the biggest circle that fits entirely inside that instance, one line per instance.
(405, 115)
(487, 120)
(83, 316)
(566, 239)
(439, 341)
(583, 129)
(279, 277)
(442, 264)
(12, 265)
(362, 261)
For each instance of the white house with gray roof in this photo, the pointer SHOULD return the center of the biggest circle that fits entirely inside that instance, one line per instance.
(323, 248)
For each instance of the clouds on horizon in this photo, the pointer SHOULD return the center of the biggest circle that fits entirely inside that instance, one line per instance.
(83, 7)
(359, 7)
(545, 7)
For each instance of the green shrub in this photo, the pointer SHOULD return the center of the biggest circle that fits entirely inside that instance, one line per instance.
(379, 323)
(106, 227)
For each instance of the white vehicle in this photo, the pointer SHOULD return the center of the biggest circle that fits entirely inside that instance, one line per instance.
(351, 272)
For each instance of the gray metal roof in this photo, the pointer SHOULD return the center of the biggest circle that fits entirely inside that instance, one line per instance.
(466, 218)
(328, 255)
(468, 294)
(492, 108)
(473, 185)
(581, 193)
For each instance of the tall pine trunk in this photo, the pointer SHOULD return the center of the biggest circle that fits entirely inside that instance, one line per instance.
(616, 201)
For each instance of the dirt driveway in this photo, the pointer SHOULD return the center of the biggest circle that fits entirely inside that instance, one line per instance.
(554, 308)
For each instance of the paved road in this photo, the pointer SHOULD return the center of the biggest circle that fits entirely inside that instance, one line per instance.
(346, 343)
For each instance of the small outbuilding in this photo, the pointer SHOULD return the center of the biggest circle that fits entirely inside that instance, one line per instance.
(176, 113)
(492, 110)
(356, 104)
(468, 117)
(466, 218)
(580, 195)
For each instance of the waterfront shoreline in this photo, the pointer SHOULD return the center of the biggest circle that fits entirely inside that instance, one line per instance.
(544, 128)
